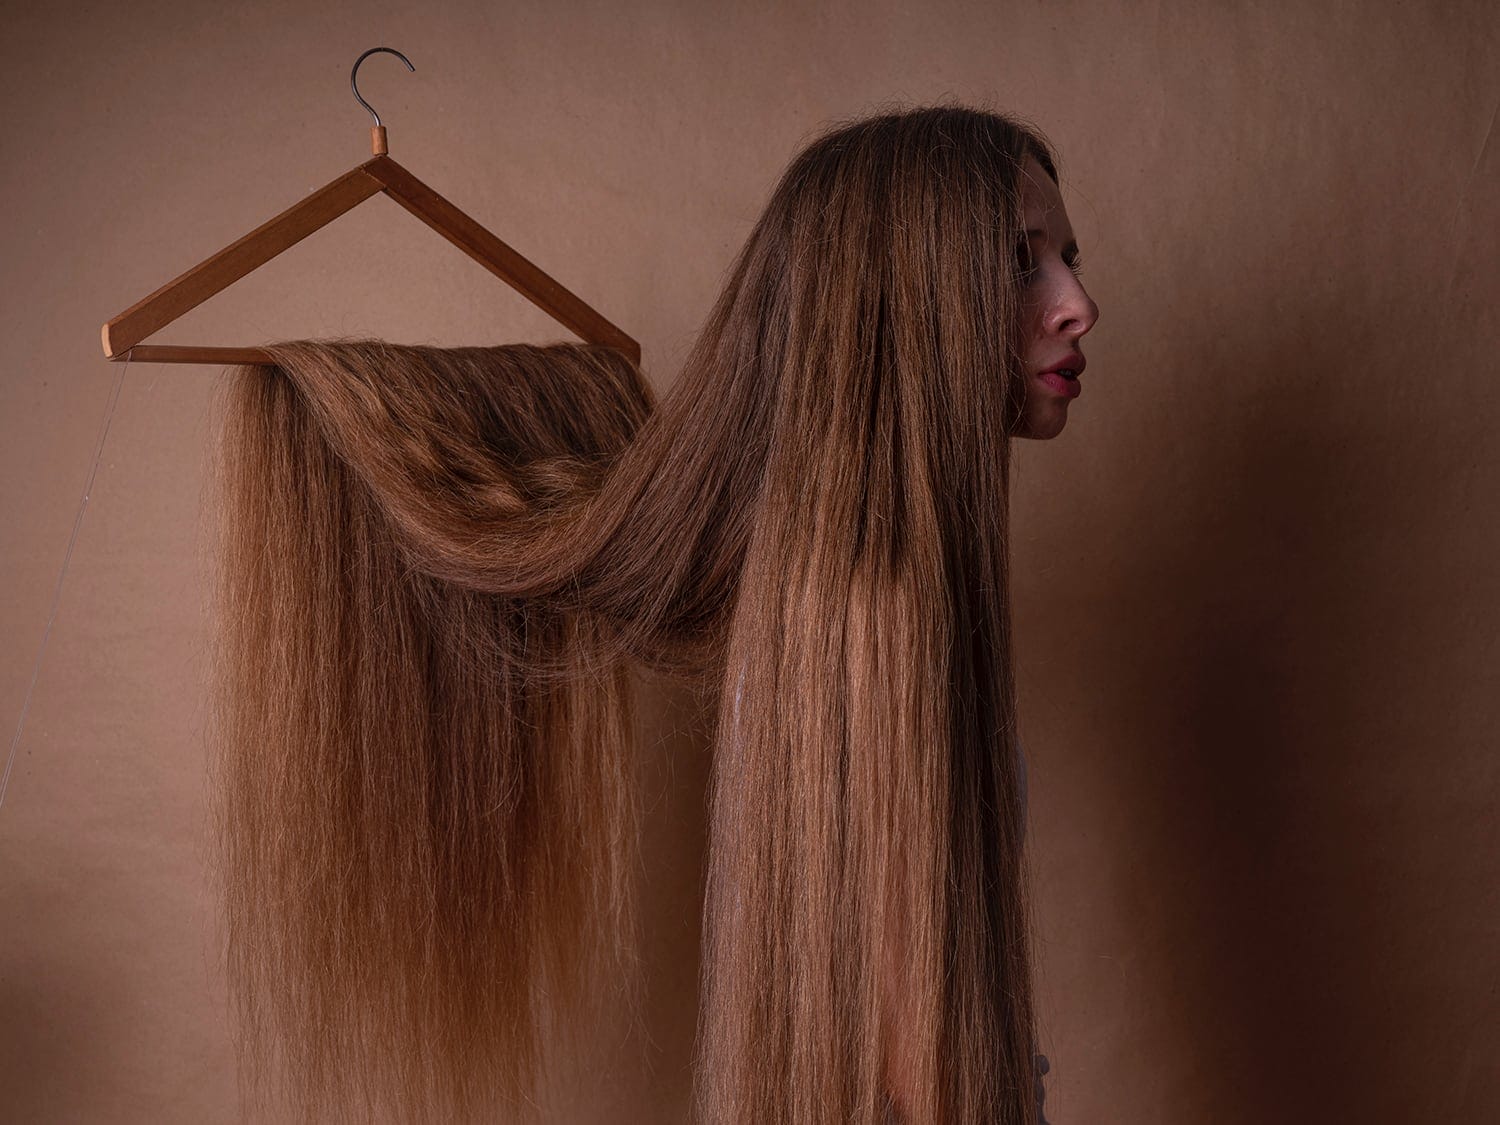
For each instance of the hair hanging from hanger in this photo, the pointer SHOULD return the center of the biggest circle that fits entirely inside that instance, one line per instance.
(426, 800)
(438, 565)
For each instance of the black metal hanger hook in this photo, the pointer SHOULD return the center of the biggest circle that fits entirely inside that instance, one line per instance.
(354, 76)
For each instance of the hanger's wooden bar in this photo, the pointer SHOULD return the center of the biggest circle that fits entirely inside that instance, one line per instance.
(122, 336)
(504, 262)
(184, 353)
(234, 262)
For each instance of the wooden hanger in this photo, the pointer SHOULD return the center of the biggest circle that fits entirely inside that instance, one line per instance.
(123, 335)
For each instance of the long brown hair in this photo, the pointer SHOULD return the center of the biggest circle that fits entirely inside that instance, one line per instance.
(439, 564)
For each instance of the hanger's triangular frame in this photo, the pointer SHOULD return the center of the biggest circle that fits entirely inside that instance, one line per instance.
(123, 335)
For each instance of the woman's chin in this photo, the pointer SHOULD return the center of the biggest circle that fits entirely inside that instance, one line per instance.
(1042, 421)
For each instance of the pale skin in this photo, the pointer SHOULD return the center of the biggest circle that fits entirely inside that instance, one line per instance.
(1056, 313)
(1057, 310)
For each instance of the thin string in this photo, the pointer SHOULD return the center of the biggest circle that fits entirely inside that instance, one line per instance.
(36, 668)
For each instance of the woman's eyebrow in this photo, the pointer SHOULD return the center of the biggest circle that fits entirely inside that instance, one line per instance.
(1070, 248)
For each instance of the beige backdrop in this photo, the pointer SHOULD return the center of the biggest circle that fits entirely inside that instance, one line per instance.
(1256, 576)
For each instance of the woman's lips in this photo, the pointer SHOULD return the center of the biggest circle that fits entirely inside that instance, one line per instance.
(1068, 388)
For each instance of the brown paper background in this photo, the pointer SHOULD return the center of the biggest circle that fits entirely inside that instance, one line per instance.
(1256, 575)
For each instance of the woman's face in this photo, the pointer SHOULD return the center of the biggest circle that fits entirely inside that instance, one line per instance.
(1055, 310)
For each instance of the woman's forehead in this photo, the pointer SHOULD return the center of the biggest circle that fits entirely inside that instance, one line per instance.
(1042, 203)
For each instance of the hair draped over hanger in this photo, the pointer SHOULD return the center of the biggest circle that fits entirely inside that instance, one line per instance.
(438, 566)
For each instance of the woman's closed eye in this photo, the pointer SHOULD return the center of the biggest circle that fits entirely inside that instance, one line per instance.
(1026, 265)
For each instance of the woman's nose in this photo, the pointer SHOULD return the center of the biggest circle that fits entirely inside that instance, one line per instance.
(1074, 311)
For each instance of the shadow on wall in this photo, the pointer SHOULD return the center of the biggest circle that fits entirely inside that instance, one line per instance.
(1296, 822)
(66, 1060)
